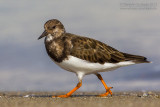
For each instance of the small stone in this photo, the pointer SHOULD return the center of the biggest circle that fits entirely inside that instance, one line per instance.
(26, 96)
(157, 96)
(145, 94)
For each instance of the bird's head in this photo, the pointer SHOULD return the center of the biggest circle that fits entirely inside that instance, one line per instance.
(53, 27)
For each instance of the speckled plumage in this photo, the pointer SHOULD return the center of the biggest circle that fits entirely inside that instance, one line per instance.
(64, 44)
(83, 55)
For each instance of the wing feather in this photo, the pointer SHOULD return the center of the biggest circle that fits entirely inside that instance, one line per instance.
(95, 51)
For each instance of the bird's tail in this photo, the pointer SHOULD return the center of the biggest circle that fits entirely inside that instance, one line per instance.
(135, 58)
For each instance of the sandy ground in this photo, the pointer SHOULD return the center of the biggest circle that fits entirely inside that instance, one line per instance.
(79, 99)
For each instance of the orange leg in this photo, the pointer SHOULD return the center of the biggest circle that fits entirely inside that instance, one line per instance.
(72, 91)
(108, 91)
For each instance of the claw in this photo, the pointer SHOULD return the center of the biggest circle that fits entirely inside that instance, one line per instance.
(108, 91)
(69, 93)
(61, 96)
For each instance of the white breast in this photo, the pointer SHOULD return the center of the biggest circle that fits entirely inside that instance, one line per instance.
(75, 64)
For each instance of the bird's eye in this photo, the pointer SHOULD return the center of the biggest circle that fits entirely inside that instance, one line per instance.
(53, 27)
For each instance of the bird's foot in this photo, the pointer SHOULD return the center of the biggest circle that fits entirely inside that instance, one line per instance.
(61, 96)
(108, 91)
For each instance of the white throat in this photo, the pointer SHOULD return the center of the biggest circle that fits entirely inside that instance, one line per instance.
(49, 38)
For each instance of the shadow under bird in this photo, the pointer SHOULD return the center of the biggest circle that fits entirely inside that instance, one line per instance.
(83, 55)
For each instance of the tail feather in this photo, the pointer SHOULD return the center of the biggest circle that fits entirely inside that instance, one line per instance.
(135, 58)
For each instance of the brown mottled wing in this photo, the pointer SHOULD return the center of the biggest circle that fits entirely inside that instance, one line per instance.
(95, 51)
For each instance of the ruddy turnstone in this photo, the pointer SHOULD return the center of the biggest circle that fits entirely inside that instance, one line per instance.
(83, 55)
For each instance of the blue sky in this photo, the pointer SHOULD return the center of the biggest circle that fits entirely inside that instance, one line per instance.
(24, 64)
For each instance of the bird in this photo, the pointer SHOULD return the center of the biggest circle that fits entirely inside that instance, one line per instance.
(83, 55)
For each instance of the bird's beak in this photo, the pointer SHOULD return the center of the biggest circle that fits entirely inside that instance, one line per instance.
(43, 35)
